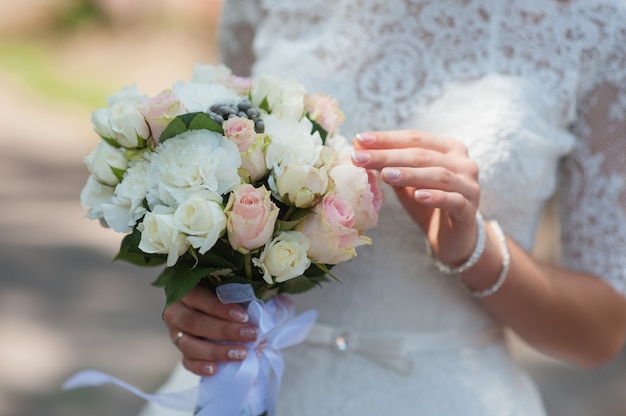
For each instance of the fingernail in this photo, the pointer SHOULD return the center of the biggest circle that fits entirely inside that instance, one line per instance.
(208, 369)
(248, 332)
(237, 354)
(238, 315)
(366, 137)
(361, 157)
(423, 195)
(391, 174)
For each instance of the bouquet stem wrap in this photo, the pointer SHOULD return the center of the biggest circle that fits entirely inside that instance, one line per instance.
(247, 388)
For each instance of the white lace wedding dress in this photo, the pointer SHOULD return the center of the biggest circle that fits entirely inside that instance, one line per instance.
(537, 91)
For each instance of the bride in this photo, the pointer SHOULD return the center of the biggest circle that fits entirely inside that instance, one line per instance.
(469, 109)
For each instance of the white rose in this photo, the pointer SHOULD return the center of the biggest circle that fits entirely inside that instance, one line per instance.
(127, 205)
(106, 163)
(284, 257)
(193, 161)
(210, 73)
(121, 120)
(302, 185)
(285, 99)
(129, 94)
(93, 196)
(159, 236)
(290, 103)
(267, 87)
(202, 219)
(196, 96)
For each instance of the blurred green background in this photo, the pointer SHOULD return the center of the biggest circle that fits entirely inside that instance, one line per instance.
(64, 305)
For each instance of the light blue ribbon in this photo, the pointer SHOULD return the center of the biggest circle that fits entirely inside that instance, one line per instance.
(249, 387)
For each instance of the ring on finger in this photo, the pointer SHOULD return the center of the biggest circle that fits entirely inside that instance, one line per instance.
(177, 338)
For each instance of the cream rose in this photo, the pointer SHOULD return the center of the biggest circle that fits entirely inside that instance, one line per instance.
(159, 235)
(284, 257)
(253, 163)
(106, 163)
(302, 185)
(251, 217)
(202, 219)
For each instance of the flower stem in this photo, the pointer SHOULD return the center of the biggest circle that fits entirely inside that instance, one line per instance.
(289, 213)
(247, 265)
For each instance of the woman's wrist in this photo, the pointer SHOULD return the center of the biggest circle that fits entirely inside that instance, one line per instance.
(491, 271)
(471, 260)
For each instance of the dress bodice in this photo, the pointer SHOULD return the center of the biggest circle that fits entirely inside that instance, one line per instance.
(536, 89)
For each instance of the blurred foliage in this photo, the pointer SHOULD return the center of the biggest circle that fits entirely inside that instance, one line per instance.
(31, 62)
(79, 14)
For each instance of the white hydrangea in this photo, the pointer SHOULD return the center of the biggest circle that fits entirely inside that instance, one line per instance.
(194, 161)
(127, 205)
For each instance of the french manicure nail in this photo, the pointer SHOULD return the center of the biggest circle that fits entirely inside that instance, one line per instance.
(361, 157)
(423, 195)
(366, 137)
(207, 369)
(237, 354)
(391, 173)
(238, 315)
(248, 332)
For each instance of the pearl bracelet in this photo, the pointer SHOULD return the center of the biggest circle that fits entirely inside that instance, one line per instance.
(506, 263)
(473, 258)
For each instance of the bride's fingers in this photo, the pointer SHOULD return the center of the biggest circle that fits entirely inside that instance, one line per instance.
(199, 367)
(435, 178)
(179, 317)
(415, 158)
(205, 300)
(198, 349)
(403, 139)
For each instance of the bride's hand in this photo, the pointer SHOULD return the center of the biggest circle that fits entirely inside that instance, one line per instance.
(435, 180)
(202, 319)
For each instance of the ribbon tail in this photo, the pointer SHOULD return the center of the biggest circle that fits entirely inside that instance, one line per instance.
(225, 393)
(184, 400)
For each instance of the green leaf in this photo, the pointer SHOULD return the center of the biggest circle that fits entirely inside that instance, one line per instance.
(130, 252)
(326, 269)
(111, 141)
(302, 284)
(318, 128)
(190, 121)
(201, 121)
(119, 173)
(179, 281)
(176, 127)
(265, 105)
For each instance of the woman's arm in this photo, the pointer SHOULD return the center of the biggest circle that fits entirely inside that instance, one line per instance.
(575, 316)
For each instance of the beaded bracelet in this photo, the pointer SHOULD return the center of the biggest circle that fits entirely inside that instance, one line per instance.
(506, 263)
(473, 258)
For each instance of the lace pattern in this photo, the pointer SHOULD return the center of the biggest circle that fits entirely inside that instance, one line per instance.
(574, 51)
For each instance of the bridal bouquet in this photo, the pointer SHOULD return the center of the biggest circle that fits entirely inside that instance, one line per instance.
(240, 185)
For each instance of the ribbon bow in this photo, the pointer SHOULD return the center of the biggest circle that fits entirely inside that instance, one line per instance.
(242, 388)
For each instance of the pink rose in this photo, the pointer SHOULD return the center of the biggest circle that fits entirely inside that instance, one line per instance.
(361, 189)
(325, 111)
(251, 217)
(330, 231)
(241, 131)
(159, 111)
